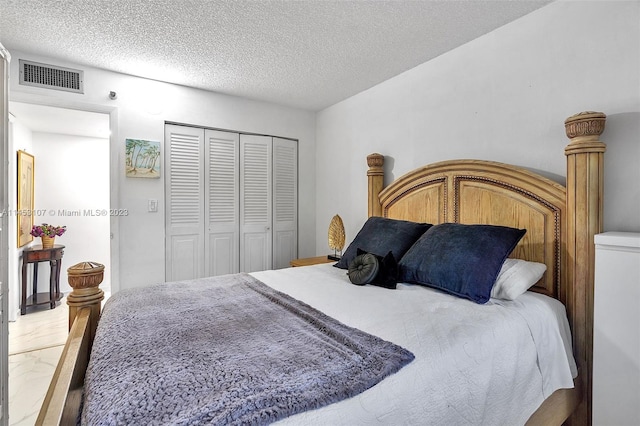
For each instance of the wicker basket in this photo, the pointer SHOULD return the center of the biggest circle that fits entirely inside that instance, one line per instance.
(48, 242)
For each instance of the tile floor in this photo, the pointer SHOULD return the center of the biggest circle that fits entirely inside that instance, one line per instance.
(35, 344)
(36, 341)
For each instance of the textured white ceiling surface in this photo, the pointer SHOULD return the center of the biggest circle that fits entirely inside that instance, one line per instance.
(305, 53)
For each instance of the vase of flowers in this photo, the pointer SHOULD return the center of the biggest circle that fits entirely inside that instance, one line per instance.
(47, 233)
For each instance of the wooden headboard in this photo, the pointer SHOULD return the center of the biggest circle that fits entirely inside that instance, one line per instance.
(483, 192)
(560, 221)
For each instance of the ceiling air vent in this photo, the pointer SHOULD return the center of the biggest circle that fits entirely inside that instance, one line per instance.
(51, 77)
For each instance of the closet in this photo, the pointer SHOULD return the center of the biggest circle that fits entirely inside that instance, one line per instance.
(231, 202)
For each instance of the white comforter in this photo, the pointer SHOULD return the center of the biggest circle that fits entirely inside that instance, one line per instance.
(491, 364)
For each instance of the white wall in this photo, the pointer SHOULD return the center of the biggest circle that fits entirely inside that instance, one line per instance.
(72, 177)
(502, 97)
(140, 111)
(20, 138)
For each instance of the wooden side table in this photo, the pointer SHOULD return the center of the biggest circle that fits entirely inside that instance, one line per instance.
(311, 261)
(35, 255)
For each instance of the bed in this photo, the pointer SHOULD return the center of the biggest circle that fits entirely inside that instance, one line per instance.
(560, 222)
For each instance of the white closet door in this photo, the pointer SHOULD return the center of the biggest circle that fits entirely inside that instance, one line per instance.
(184, 203)
(285, 202)
(222, 189)
(255, 203)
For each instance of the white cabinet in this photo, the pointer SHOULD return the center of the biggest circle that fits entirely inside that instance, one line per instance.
(231, 202)
(616, 331)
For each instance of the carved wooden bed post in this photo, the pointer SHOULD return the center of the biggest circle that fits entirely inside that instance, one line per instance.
(85, 278)
(375, 175)
(585, 162)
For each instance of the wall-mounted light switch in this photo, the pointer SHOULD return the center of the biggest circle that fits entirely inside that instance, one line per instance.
(153, 205)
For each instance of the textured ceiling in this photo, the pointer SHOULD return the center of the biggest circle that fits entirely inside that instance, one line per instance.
(307, 54)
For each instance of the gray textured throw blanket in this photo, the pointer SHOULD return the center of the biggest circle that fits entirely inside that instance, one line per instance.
(224, 350)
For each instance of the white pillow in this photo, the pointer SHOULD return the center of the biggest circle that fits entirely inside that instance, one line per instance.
(515, 277)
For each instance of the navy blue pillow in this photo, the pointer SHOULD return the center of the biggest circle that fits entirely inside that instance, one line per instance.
(380, 235)
(463, 260)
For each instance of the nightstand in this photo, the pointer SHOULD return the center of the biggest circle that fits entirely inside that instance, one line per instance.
(311, 261)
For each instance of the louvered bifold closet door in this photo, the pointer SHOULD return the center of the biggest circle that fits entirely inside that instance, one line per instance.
(285, 202)
(255, 203)
(222, 191)
(184, 200)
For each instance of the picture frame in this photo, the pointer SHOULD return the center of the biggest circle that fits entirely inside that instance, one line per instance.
(142, 159)
(24, 214)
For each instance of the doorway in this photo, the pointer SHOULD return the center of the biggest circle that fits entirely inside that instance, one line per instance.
(71, 150)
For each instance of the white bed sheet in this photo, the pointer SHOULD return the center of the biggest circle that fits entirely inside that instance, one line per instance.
(491, 364)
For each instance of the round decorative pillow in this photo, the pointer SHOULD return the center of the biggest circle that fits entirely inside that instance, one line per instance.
(363, 269)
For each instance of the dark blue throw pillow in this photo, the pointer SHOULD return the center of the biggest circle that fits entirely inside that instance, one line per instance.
(463, 260)
(380, 235)
(387, 275)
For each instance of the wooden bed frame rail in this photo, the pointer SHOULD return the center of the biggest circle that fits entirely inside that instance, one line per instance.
(63, 400)
(566, 234)
(64, 397)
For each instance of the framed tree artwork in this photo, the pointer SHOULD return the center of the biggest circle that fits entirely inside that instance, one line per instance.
(25, 197)
(142, 158)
